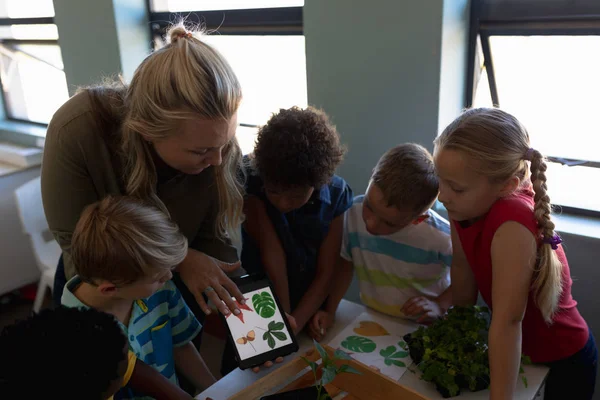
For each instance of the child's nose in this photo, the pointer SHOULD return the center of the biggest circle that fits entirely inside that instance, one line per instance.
(442, 197)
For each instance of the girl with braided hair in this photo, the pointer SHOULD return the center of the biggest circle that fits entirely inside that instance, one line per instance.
(493, 185)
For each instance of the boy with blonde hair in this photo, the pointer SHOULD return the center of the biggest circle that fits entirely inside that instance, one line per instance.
(399, 247)
(123, 251)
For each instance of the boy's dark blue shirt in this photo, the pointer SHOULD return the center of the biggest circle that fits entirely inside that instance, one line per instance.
(301, 232)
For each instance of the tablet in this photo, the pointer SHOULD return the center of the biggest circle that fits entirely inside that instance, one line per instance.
(260, 333)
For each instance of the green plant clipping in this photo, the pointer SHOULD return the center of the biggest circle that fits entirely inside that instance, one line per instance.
(330, 369)
(264, 304)
(452, 352)
(359, 344)
(274, 333)
(392, 356)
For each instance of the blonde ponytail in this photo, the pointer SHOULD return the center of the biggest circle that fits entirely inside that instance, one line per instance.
(547, 284)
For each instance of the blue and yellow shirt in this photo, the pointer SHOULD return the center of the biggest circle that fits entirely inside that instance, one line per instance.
(157, 325)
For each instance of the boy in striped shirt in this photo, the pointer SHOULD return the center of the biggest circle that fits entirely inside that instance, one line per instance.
(399, 247)
(124, 251)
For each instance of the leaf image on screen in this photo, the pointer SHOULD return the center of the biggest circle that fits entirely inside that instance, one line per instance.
(359, 344)
(249, 338)
(264, 304)
(274, 333)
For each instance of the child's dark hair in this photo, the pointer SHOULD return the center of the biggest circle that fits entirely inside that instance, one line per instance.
(406, 176)
(65, 353)
(297, 147)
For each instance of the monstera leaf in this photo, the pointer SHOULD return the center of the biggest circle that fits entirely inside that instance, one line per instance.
(264, 304)
(359, 344)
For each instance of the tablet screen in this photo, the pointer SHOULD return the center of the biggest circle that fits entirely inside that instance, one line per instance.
(259, 328)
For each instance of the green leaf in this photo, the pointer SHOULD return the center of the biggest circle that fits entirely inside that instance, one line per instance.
(342, 355)
(524, 379)
(313, 365)
(388, 351)
(276, 326)
(348, 369)
(359, 344)
(270, 340)
(329, 374)
(398, 363)
(264, 304)
(399, 354)
(279, 335)
(324, 396)
(321, 350)
(266, 335)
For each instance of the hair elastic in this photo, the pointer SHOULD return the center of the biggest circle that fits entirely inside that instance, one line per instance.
(553, 241)
(529, 154)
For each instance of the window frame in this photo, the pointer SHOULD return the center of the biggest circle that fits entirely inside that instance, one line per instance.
(279, 21)
(529, 23)
(24, 21)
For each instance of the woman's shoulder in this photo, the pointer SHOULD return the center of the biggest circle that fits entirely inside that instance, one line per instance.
(78, 109)
(75, 124)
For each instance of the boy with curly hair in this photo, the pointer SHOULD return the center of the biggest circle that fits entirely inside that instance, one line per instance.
(294, 209)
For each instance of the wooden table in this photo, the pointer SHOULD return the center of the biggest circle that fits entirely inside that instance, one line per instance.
(347, 312)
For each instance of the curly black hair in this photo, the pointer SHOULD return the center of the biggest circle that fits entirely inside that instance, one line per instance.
(297, 147)
(65, 353)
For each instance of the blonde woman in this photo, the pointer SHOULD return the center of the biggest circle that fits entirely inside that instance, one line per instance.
(493, 185)
(167, 138)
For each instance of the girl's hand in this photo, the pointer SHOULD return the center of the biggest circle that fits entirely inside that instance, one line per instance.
(204, 274)
(319, 324)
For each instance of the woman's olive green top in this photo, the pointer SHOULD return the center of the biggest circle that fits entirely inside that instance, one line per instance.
(82, 164)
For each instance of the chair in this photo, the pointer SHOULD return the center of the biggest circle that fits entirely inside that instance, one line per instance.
(47, 252)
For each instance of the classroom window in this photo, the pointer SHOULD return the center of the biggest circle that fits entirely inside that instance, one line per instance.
(208, 5)
(551, 84)
(31, 68)
(263, 42)
(539, 60)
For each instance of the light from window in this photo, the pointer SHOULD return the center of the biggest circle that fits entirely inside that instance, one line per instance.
(208, 5)
(246, 137)
(551, 84)
(26, 8)
(33, 81)
(271, 70)
(33, 32)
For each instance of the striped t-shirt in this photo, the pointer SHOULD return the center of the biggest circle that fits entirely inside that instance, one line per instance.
(415, 261)
(158, 324)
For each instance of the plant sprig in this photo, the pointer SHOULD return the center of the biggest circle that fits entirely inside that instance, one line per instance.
(329, 369)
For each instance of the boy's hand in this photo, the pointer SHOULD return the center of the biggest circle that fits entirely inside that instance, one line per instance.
(428, 310)
(319, 324)
(269, 364)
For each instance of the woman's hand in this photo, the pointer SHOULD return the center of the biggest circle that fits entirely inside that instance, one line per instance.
(204, 274)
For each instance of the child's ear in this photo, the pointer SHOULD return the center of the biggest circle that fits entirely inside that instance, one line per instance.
(420, 219)
(510, 186)
(107, 288)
